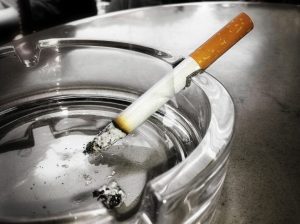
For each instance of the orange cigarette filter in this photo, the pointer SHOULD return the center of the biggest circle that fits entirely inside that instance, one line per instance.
(224, 39)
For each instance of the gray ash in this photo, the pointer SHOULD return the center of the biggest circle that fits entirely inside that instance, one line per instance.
(89, 149)
(106, 138)
(93, 147)
(110, 195)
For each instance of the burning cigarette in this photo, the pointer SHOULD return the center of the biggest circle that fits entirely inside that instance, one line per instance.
(139, 111)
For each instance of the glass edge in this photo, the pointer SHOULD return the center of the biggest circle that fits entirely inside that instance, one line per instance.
(175, 182)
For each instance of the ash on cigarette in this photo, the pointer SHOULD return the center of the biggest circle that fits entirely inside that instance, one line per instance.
(110, 195)
(106, 138)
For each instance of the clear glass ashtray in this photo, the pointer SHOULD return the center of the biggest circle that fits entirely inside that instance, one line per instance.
(55, 98)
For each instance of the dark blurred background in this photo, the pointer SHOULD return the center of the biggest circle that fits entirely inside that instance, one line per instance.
(22, 17)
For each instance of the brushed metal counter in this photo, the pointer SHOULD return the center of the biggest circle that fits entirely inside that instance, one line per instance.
(262, 74)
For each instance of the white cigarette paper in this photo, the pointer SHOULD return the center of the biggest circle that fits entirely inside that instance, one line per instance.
(156, 96)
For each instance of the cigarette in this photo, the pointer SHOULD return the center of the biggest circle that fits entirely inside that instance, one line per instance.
(162, 91)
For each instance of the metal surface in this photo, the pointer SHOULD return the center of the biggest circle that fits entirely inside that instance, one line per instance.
(262, 74)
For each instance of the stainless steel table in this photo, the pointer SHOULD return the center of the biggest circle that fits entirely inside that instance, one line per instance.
(262, 75)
